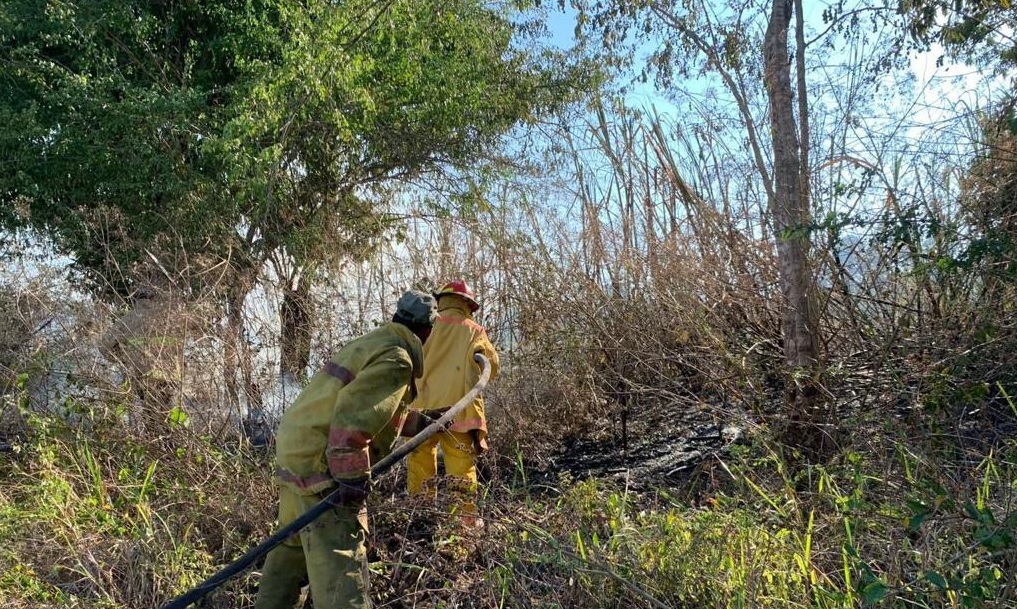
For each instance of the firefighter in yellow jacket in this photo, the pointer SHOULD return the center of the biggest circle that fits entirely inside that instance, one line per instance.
(347, 417)
(449, 373)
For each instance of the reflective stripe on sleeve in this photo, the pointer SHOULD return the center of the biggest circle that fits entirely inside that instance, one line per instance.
(348, 463)
(314, 483)
(468, 425)
(347, 438)
(340, 372)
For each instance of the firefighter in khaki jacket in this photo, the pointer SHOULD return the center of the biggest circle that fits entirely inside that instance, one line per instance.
(347, 417)
(449, 373)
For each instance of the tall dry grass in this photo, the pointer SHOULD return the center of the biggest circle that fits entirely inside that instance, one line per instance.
(653, 294)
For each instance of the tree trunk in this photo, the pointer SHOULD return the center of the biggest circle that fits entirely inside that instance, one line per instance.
(789, 207)
(233, 343)
(296, 319)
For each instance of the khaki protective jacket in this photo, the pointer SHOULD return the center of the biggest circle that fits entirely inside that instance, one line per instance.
(450, 371)
(351, 411)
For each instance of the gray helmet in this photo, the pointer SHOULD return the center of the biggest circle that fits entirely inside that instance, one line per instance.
(417, 308)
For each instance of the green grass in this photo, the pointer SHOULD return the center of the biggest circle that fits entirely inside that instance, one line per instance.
(100, 520)
(859, 532)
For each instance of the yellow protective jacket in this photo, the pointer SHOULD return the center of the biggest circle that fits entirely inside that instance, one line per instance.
(450, 371)
(351, 411)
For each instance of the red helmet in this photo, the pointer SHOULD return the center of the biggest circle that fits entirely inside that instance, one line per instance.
(459, 288)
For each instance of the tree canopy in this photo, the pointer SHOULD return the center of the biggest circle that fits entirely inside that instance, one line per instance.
(972, 30)
(232, 129)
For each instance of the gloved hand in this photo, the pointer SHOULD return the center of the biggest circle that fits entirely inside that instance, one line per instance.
(479, 442)
(348, 492)
(417, 421)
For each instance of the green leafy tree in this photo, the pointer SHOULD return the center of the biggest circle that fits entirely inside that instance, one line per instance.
(107, 108)
(249, 131)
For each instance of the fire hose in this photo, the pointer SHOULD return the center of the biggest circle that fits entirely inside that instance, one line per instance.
(245, 561)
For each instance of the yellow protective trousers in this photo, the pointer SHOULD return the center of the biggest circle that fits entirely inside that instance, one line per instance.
(330, 553)
(460, 457)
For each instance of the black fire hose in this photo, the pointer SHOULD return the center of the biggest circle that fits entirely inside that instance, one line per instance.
(245, 561)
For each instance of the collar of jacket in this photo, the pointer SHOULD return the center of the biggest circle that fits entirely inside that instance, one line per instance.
(413, 346)
(451, 308)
